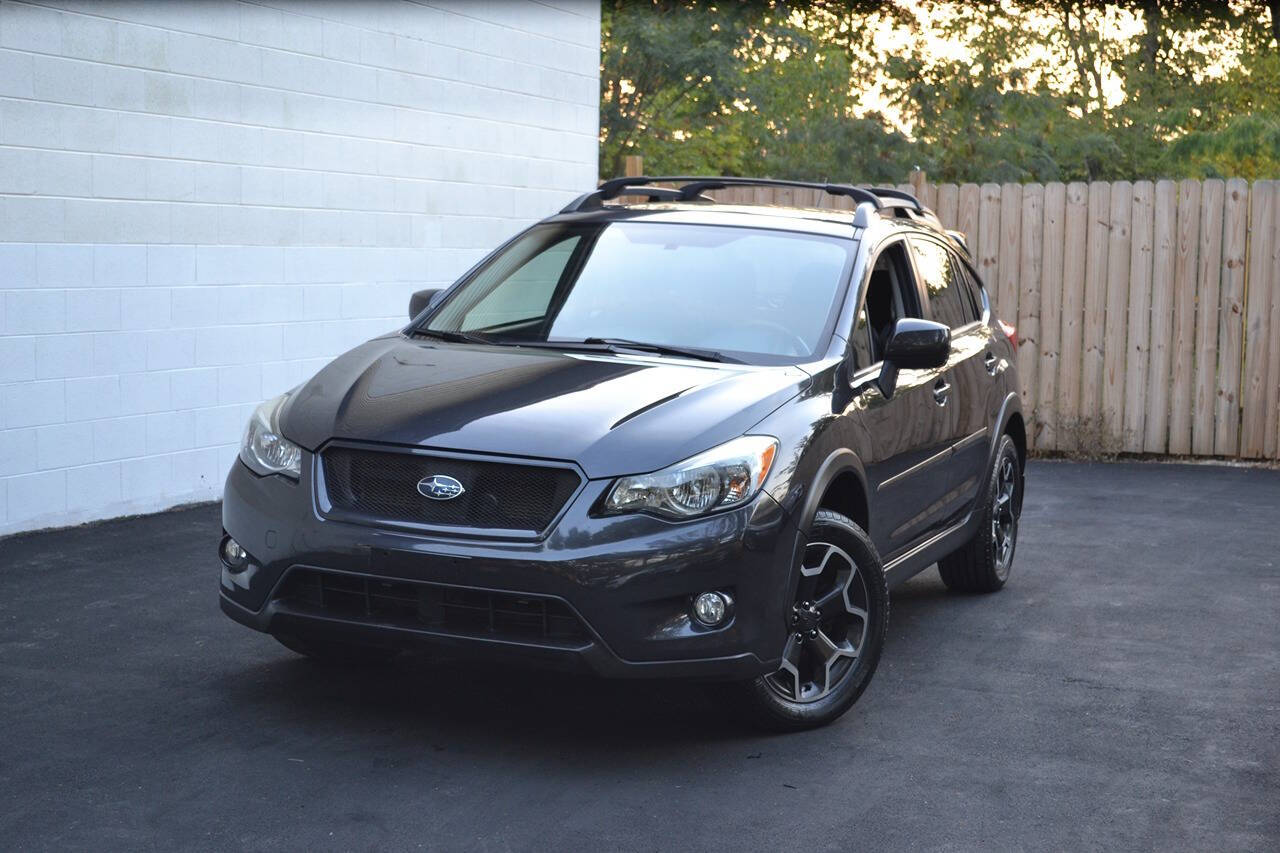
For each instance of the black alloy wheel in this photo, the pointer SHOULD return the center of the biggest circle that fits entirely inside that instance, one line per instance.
(983, 564)
(835, 630)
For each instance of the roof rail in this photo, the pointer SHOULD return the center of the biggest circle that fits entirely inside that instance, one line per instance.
(899, 196)
(692, 187)
(961, 240)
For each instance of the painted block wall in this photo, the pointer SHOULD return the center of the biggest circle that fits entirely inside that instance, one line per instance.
(201, 203)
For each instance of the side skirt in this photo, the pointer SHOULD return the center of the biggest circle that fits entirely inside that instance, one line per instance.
(911, 563)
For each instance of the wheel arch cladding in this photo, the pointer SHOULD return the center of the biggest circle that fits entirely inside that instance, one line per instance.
(839, 485)
(847, 495)
(1017, 430)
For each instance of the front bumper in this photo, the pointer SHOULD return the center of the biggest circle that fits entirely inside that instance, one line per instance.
(628, 579)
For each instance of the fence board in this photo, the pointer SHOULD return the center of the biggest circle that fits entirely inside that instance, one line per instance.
(948, 206)
(1046, 412)
(1182, 395)
(968, 215)
(928, 194)
(1137, 347)
(1010, 250)
(1092, 366)
(1271, 438)
(1226, 417)
(1159, 371)
(1257, 330)
(1208, 280)
(1027, 284)
(989, 242)
(1115, 325)
(1073, 286)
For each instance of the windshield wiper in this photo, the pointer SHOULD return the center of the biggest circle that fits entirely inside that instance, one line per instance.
(662, 349)
(453, 337)
(607, 344)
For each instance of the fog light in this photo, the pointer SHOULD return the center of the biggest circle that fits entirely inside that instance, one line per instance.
(233, 555)
(711, 608)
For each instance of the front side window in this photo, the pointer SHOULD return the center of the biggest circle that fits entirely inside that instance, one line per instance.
(766, 296)
(941, 275)
(890, 298)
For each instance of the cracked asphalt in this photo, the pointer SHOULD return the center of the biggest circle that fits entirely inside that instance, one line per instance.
(1123, 692)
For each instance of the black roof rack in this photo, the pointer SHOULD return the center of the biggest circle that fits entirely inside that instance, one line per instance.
(898, 197)
(650, 194)
(692, 187)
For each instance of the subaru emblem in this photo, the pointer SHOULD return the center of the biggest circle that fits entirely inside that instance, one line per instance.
(440, 487)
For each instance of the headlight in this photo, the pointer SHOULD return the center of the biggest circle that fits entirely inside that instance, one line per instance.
(264, 449)
(723, 477)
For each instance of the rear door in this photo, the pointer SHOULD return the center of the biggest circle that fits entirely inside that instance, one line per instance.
(949, 301)
(907, 437)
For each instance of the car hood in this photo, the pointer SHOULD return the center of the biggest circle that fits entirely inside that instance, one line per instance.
(611, 414)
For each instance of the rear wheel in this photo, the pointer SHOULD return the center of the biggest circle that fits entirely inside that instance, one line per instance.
(834, 633)
(983, 564)
(335, 652)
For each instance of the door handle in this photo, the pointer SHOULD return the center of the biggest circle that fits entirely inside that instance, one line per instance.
(991, 362)
(940, 391)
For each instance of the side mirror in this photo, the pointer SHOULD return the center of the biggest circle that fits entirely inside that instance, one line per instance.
(914, 345)
(918, 344)
(423, 300)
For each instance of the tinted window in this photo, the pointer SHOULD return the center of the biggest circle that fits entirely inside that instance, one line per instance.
(736, 290)
(862, 341)
(890, 297)
(940, 272)
(523, 294)
(972, 288)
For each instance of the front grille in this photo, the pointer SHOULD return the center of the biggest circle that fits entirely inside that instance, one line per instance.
(382, 485)
(458, 611)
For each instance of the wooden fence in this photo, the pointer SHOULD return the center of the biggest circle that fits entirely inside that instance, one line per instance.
(1148, 312)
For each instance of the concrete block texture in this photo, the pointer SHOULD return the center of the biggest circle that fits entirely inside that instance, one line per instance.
(201, 204)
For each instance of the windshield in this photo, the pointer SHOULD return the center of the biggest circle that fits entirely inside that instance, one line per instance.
(764, 296)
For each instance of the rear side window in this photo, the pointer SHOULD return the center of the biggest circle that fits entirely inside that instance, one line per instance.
(943, 279)
(971, 287)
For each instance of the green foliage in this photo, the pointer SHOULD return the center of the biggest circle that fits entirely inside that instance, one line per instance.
(1040, 91)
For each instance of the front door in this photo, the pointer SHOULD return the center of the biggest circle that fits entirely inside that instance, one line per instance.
(949, 300)
(907, 434)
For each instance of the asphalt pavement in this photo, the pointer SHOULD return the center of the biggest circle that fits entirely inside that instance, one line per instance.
(1123, 692)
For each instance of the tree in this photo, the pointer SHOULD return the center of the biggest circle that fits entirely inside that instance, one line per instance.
(1020, 90)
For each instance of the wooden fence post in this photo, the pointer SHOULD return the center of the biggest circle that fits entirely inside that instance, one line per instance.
(1051, 304)
(633, 166)
(1116, 326)
(1163, 286)
(1261, 283)
(1208, 291)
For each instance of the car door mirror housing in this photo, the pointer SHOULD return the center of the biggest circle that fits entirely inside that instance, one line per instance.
(914, 345)
(424, 299)
(918, 344)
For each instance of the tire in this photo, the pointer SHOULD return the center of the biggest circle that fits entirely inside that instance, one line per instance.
(787, 700)
(335, 652)
(983, 564)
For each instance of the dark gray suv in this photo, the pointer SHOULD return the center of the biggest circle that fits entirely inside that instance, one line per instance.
(650, 436)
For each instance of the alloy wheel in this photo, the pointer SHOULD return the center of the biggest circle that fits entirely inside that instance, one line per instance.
(1004, 521)
(827, 628)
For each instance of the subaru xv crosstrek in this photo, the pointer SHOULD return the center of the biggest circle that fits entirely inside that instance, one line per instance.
(650, 436)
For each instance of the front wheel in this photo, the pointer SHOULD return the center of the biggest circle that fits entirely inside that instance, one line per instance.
(983, 564)
(834, 633)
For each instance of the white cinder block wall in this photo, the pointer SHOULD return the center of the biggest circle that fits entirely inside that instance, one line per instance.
(203, 202)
